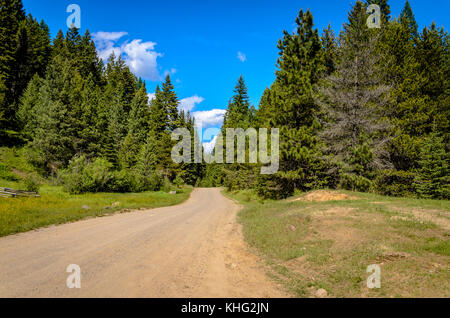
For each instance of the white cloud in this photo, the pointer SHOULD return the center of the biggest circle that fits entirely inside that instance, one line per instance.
(170, 72)
(140, 56)
(242, 57)
(209, 118)
(187, 104)
(108, 36)
(105, 43)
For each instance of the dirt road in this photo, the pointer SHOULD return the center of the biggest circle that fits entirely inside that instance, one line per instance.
(191, 250)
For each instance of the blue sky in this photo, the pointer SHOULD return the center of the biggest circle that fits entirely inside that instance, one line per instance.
(206, 45)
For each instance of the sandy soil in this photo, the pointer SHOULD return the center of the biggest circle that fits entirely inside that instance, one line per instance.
(195, 249)
(324, 196)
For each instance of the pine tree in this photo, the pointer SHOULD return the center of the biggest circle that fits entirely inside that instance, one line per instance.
(354, 101)
(116, 122)
(265, 110)
(300, 66)
(11, 15)
(129, 148)
(170, 102)
(238, 115)
(15, 71)
(433, 179)
(147, 158)
(146, 174)
(407, 17)
(31, 56)
(88, 60)
(122, 81)
(158, 114)
(138, 122)
(191, 173)
(329, 48)
(72, 43)
(58, 44)
(408, 107)
(238, 112)
(116, 104)
(137, 129)
(58, 113)
(26, 114)
(162, 121)
(92, 126)
(433, 56)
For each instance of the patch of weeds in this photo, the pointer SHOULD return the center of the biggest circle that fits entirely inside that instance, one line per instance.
(413, 224)
(441, 248)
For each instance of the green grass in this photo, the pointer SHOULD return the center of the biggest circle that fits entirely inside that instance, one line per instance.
(312, 245)
(57, 207)
(14, 159)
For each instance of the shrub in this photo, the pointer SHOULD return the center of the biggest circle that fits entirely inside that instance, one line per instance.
(166, 186)
(84, 176)
(395, 183)
(178, 182)
(273, 187)
(121, 181)
(148, 182)
(354, 182)
(152, 182)
(31, 183)
(7, 174)
(239, 177)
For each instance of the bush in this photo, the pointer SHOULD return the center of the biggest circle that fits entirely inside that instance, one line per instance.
(121, 181)
(354, 182)
(7, 174)
(395, 183)
(167, 186)
(239, 177)
(31, 183)
(150, 182)
(84, 176)
(273, 187)
(178, 182)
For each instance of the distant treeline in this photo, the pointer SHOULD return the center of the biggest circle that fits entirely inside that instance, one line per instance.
(368, 110)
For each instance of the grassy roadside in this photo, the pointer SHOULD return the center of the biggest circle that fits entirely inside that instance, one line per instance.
(57, 207)
(328, 245)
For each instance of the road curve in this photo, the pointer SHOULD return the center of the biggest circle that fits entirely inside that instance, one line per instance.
(191, 250)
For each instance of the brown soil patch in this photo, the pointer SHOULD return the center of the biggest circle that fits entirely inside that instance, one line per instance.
(324, 196)
(336, 224)
(21, 174)
(390, 257)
